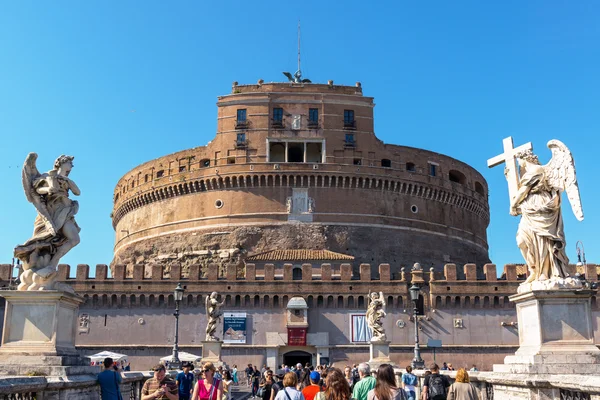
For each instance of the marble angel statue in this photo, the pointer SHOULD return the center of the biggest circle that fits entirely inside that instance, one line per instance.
(540, 235)
(374, 315)
(55, 230)
(213, 314)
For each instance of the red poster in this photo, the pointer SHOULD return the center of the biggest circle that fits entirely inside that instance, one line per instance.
(296, 336)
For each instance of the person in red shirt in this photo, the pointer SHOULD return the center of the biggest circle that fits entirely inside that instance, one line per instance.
(311, 391)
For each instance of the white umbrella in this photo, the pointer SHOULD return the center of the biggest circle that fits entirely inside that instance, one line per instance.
(183, 356)
(103, 354)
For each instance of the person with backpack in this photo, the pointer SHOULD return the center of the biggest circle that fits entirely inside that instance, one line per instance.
(436, 385)
(409, 383)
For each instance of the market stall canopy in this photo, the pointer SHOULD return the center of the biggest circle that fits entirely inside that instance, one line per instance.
(103, 354)
(183, 356)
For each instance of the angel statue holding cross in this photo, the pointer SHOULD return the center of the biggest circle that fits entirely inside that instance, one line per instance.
(536, 197)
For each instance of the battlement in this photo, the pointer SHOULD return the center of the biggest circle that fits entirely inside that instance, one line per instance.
(322, 285)
(452, 273)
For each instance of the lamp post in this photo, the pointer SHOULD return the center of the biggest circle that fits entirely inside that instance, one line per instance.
(417, 362)
(580, 253)
(174, 364)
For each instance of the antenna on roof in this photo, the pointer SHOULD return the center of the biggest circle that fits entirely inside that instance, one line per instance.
(297, 77)
(299, 72)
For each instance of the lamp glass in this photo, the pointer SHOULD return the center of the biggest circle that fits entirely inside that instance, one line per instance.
(414, 292)
(179, 292)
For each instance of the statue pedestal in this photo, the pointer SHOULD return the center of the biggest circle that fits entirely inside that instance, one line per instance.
(556, 334)
(211, 351)
(39, 334)
(380, 354)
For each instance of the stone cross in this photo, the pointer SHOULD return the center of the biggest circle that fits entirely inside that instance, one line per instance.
(509, 157)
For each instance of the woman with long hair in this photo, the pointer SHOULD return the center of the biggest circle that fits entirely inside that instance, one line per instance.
(304, 379)
(336, 386)
(209, 388)
(385, 385)
(227, 382)
(462, 389)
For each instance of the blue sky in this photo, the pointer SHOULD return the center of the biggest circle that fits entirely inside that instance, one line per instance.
(119, 83)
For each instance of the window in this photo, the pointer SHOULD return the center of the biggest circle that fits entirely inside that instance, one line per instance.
(277, 152)
(160, 173)
(297, 274)
(432, 169)
(230, 160)
(182, 168)
(357, 161)
(313, 116)
(241, 138)
(205, 163)
(241, 115)
(277, 114)
(411, 167)
(361, 332)
(145, 178)
(349, 139)
(349, 119)
(479, 188)
(385, 163)
(457, 176)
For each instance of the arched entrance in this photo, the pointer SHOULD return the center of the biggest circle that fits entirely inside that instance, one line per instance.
(294, 357)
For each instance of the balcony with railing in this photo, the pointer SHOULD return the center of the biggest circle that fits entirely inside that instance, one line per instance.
(350, 124)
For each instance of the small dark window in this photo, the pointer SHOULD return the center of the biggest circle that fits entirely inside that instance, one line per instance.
(205, 163)
(145, 178)
(349, 138)
(457, 176)
(132, 184)
(241, 138)
(297, 274)
(411, 167)
(349, 119)
(432, 169)
(313, 115)
(386, 163)
(230, 160)
(479, 188)
(277, 114)
(182, 168)
(357, 161)
(160, 173)
(241, 115)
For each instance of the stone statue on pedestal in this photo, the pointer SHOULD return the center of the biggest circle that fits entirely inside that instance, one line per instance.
(374, 315)
(55, 230)
(213, 313)
(536, 196)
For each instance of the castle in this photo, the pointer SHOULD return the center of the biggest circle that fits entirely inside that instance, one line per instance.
(293, 214)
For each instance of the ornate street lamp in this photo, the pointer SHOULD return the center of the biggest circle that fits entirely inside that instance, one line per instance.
(417, 362)
(580, 253)
(175, 363)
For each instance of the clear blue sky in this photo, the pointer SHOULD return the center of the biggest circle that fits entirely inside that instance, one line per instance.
(452, 77)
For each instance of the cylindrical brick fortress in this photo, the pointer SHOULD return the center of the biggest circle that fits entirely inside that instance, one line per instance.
(298, 166)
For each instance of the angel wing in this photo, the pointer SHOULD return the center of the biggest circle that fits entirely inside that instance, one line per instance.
(289, 76)
(29, 174)
(306, 81)
(207, 306)
(560, 173)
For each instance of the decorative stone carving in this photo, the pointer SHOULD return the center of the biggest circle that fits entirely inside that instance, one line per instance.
(213, 313)
(374, 316)
(296, 122)
(55, 230)
(288, 204)
(536, 196)
(84, 323)
(458, 323)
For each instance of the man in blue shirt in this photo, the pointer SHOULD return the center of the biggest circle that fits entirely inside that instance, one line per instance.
(109, 381)
(185, 381)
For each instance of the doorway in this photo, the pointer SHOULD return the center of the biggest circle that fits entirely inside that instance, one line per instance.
(295, 357)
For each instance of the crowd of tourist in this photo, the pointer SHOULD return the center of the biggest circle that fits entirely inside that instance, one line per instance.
(294, 383)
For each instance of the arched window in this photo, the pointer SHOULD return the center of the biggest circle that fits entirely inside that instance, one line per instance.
(479, 188)
(457, 176)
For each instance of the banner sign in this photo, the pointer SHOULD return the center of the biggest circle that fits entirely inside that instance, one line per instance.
(234, 327)
(360, 330)
(297, 336)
